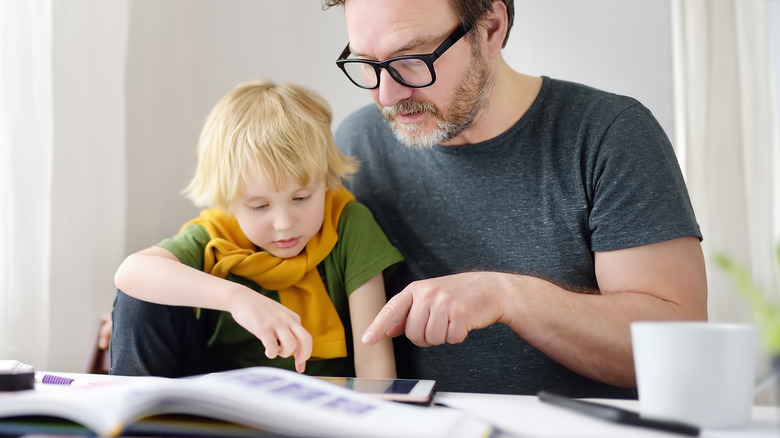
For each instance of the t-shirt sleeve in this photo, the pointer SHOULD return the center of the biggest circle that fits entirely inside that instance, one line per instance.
(188, 245)
(363, 247)
(640, 195)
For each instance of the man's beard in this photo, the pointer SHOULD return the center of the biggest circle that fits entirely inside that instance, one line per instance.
(469, 99)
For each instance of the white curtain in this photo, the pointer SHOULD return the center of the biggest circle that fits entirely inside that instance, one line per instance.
(62, 170)
(26, 140)
(726, 128)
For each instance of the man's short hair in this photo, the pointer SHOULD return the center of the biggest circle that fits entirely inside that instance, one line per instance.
(469, 11)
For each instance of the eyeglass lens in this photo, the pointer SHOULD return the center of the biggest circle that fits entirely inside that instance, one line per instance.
(411, 71)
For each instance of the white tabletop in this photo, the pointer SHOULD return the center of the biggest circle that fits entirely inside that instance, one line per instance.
(524, 416)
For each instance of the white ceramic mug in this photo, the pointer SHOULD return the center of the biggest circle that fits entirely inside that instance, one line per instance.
(701, 373)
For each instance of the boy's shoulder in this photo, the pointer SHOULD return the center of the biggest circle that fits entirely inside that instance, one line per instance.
(358, 227)
(354, 211)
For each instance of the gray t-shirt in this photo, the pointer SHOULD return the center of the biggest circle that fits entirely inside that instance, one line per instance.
(582, 171)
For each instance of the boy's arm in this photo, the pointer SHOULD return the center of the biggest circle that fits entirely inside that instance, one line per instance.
(157, 276)
(364, 303)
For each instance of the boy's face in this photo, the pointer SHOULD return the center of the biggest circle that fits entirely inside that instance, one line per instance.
(283, 222)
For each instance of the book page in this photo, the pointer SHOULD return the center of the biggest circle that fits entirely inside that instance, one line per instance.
(264, 398)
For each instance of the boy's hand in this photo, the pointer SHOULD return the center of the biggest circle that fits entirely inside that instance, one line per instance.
(276, 326)
(104, 332)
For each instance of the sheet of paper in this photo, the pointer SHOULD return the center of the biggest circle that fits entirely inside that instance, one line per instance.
(9, 366)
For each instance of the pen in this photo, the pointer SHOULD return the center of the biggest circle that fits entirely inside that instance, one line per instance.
(617, 415)
(58, 380)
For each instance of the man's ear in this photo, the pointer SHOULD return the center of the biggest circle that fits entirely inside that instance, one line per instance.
(496, 25)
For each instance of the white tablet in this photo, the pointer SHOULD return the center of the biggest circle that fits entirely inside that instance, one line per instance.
(401, 390)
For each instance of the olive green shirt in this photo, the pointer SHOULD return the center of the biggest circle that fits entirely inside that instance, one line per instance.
(362, 252)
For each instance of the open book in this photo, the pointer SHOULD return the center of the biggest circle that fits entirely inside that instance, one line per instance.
(241, 402)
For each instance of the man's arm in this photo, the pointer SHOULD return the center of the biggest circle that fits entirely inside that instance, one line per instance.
(588, 333)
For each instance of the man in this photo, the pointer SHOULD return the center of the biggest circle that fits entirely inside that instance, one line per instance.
(537, 217)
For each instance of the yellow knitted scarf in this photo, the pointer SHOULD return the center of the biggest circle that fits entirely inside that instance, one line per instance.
(296, 279)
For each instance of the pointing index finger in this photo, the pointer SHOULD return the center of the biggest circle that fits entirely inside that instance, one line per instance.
(390, 317)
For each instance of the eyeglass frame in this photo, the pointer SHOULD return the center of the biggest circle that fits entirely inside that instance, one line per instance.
(428, 59)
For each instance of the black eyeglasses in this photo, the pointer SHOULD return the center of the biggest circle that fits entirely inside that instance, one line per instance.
(415, 71)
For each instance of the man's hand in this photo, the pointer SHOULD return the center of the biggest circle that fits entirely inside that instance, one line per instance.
(439, 310)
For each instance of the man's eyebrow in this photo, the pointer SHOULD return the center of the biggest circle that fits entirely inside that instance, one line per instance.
(413, 43)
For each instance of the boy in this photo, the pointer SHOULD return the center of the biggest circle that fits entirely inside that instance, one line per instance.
(284, 266)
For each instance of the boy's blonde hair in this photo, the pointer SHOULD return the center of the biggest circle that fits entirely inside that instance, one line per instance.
(281, 129)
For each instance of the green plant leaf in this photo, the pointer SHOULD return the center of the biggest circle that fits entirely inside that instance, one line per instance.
(768, 314)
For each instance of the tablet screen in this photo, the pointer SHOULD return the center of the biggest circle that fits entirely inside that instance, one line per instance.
(404, 390)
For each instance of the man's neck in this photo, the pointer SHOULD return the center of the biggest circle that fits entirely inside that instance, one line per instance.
(512, 95)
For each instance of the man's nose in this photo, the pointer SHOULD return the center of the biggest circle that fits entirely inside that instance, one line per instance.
(390, 91)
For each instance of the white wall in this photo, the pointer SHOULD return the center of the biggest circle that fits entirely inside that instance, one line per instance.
(87, 176)
(623, 46)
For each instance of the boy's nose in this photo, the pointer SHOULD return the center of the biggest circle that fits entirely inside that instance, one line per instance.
(283, 221)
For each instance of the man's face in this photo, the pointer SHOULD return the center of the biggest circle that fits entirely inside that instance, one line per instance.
(422, 117)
